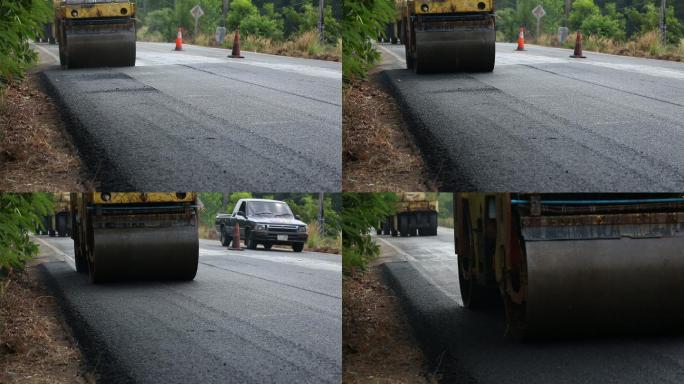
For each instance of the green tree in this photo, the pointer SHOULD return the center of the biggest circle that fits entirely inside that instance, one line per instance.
(581, 11)
(212, 202)
(19, 214)
(239, 11)
(162, 21)
(361, 212)
(268, 24)
(363, 21)
(648, 19)
(308, 208)
(19, 21)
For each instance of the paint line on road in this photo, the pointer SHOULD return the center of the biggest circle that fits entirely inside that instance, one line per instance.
(290, 260)
(399, 58)
(416, 264)
(65, 257)
(46, 51)
(269, 280)
(146, 58)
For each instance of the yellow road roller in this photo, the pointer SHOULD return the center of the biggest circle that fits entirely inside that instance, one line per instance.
(95, 33)
(573, 263)
(448, 35)
(133, 235)
(415, 214)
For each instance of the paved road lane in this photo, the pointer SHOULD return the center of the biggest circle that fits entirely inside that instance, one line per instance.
(198, 120)
(544, 121)
(248, 317)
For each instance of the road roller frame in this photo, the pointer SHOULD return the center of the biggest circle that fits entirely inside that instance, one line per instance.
(415, 215)
(99, 33)
(573, 263)
(448, 35)
(120, 236)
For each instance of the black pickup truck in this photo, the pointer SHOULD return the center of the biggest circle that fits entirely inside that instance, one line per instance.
(264, 222)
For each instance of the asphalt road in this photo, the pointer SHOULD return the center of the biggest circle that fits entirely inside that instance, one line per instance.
(467, 346)
(198, 120)
(248, 317)
(544, 121)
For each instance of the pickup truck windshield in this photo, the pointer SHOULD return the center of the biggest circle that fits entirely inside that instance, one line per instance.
(268, 208)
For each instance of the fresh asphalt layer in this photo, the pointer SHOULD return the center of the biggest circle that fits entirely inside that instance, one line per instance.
(248, 317)
(545, 121)
(197, 119)
(466, 346)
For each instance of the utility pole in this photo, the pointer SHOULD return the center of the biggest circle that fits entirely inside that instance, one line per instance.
(663, 27)
(321, 216)
(321, 22)
(568, 5)
(225, 12)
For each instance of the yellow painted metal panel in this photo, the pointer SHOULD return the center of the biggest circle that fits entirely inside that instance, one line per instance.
(142, 197)
(450, 6)
(98, 10)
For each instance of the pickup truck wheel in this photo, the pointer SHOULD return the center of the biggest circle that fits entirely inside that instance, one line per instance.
(267, 246)
(250, 242)
(297, 247)
(225, 240)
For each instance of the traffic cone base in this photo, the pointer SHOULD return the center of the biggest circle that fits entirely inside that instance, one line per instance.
(179, 41)
(235, 53)
(578, 47)
(235, 245)
(521, 39)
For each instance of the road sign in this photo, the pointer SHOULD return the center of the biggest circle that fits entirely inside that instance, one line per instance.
(538, 11)
(197, 11)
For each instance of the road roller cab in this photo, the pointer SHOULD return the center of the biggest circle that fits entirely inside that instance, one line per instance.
(577, 263)
(120, 236)
(99, 33)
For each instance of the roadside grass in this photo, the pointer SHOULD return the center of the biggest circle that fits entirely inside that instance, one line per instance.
(35, 347)
(306, 45)
(35, 151)
(378, 152)
(445, 222)
(207, 232)
(647, 45)
(318, 243)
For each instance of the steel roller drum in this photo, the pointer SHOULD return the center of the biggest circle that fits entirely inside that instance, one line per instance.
(466, 50)
(101, 45)
(146, 253)
(599, 285)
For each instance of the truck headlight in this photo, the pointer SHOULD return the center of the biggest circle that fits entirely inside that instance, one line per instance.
(261, 227)
(302, 228)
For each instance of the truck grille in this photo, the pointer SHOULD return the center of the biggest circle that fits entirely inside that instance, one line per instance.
(282, 228)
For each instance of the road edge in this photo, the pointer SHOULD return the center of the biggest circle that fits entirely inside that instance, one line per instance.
(96, 356)
(93, 158)
(435, 159)
(425, 326)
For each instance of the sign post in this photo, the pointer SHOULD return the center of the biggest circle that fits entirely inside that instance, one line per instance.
(538, 12)
(196, 12)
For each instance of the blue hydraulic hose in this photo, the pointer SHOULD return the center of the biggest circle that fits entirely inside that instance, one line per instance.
(106, 207)
(602, 202)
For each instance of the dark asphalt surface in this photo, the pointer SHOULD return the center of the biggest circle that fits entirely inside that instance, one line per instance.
(248, 317)
(469, 347)
(545, 122)
(198, 120)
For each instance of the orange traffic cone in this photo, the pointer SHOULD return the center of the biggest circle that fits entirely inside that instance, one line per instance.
(236, 238)
(521, 39)
(179, 41)
(578, 47)
(235, 54)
